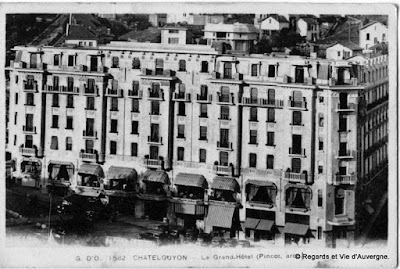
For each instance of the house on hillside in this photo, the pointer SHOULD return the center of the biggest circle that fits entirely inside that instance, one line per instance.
(308, 27)
(158, 20)
(272, 24)
(372, 33)
(342, 50)
(173, 35)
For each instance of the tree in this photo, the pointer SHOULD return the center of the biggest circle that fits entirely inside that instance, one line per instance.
(287, 38)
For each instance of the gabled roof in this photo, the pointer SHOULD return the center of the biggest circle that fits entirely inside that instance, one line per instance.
(309, 20)
(347, 44)
(230, 28)
(371, 23)
(279, 18)
(77, 32)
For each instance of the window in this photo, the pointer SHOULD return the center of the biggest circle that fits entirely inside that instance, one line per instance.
(113, 147)
(55, 121)
(203, 156)
(224, 112)
(228, 70)
(320, 169)
(114, 126)
(203, 111)
(135, 105)
(296, 165)
(155, 108)
(135, 127)
(271, 71)
(136, 63)
(182, 65)
(29, 122)
(16, 98)
(68, 143)
(270, 115)
(270, 139)
(270, 161)
(89, 146)
(15, 140)
(367, 37)
(296, 144)
(321, 145)
(338, 53)
(90, 44)
(342, 123)
(16, 79)
(71, 60)
(253, 160)
(90, 103)
(55, 100)
(204, 67)
(29, 99)
(225, 94)
(319, 198)
(173, 31)
(153, 152)
(321, 99)
(54, 143)
(296, 118)
(159, 66)
(28, 141)
(319, 232)
(135, 87)
(203, 92)
(254, 71)
(253, 137)
(299, 75)
(155, 90)
(181, 153)
(56, 81)
(223, 158)
(114, 104)
(56, 60)
(321, 120)
(91, 86)
(181, 108)
(203, 133)
(70, 101)
(173, 40)
(271, 96)
(181, 131)
(253, 95)
(115, 62)
(134, 149)
(224, 138)
(253, 114)
(70, 120)
(15, 118)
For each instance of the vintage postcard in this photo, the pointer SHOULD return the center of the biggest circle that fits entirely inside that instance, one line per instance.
(189, 134)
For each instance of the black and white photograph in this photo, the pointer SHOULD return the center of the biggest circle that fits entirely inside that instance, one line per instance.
(188, 134)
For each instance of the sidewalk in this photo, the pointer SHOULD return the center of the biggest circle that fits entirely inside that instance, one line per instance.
(148, 224)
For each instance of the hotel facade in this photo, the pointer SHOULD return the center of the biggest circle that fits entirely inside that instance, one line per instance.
(268, 147)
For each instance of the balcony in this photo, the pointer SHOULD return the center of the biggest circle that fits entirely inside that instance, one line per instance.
(114, 93)
(205, 99)
(157, 96)
(30, 152)
(88, 157)
(223, 170)
(341, 220)
(344, 179)
(91, 91)
(293, 152)
(226, 77)
(261, 102)
(135, 94)
(70, 90)
(30, 87)
(89, 135)
(344, 82)
(182, 97)
(154, 140)
(300, 105)
(153, 163)
(226, 99)
(224, 146)
(345, 154)
(52, 89)
(296, 177)
(346, 107)
(164, 74)
(29, 129)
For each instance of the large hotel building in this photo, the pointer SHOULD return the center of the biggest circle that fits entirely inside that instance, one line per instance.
(271, 147)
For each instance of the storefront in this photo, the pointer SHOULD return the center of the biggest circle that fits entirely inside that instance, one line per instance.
(30, 172)
(297, 233)
(60, 176)
(90, 180)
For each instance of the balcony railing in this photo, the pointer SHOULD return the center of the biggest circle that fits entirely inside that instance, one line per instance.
(302, 105)
(31, 152)
(90, 135)
(344, 179)
(248, 101)
(91, 90)
(157, 72)
(184, 97)
(225, 98)
(51, 88)
(115, 93)
(154, 140)
(223, 170)
(135, 94)
(29, 129)
(346, 107)
(155, 95)
(345, 154)
(341, 220)
(71, 90)
(88, 157)
(224, 146)
(204, 98)
(295, 177)
(297, 152)
(153, 163)
(30, 87)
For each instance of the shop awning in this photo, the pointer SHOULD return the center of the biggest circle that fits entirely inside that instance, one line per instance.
(220, 216)
(265, 225)
(251, 223)
(296, 228)
(61, 163)
(192, 180)
(156, 176)
(261, 183)
(91, 169)
(225, 183)
(117, 172)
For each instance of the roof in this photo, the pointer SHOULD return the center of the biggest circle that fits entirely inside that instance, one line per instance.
(231, 28)
(347, 44)
(151, 34)
(91, 169)
(279, 18)
(371, 23)
(80, 32)
(309, 20)
(155, 176)
(219, 216)
(296, 228)
(265, 225)
(260, 183)
(379, 46)
(225, 183)
(193, 180)
(117, 172)
(251, 223)
(174, 27)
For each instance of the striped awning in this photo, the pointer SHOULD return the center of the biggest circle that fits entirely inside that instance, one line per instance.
(261, 183)
(225, 183)
(296, 228)
(251, 223)
(265, 225)
(117, 172)
(156, 176)
(193, 180)
(219, 216)
(91, 169)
